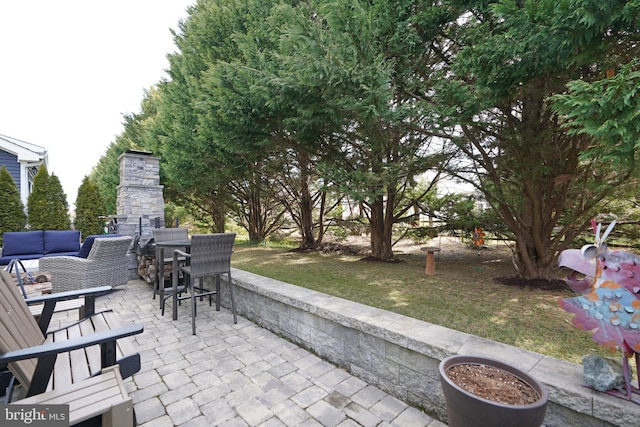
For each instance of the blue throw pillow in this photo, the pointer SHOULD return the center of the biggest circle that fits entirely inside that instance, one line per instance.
(88, 243)
(22, 243)
(57, 241)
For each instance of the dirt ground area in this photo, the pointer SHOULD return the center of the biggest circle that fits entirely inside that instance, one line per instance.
(453, 252)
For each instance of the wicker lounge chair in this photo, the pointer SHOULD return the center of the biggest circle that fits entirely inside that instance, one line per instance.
(106, 265)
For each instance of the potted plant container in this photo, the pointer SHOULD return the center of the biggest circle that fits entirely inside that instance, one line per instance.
(466, 409)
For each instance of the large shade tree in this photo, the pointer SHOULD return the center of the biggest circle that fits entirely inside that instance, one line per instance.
(259, 97)
(264, 116)
(202, 170)
(502, 61)
(363, 89)
(607, 108)
(365, 59)
(106, 174)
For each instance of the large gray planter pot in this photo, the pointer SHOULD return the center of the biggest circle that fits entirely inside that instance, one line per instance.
(465, 409)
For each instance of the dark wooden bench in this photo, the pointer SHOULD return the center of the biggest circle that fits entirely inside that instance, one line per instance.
(60, 358)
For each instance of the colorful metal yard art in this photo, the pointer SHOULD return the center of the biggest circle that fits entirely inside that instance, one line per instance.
(609, 303)
(478, 237)
(478, 240)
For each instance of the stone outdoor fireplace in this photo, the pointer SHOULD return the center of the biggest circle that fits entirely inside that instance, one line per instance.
(140, 202)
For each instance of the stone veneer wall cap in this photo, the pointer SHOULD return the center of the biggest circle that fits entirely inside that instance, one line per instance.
(143, 186)
(141, 154)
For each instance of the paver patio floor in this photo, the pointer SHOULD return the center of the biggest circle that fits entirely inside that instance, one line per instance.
(240, 374)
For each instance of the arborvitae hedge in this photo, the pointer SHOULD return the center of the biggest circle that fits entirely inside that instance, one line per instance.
(47, 204)
(12, 214)
(89, 207)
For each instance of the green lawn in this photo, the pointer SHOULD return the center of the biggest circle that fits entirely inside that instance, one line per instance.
(462, 295)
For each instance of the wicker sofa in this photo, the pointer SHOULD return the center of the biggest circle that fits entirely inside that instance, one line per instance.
(105, 265)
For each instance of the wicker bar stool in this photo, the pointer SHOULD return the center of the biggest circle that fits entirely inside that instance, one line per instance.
(163, 259)
(210, 257)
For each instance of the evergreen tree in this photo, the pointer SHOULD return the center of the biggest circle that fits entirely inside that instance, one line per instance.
(504, 62)
(12, 214)
(47, 203)
(89, 207)
(106, 174)
(37, 202)
(59, 206)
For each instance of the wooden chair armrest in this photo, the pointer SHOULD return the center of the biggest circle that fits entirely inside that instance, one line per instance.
(67, 295)
(50, 301)
(53, 349)
(46, 354)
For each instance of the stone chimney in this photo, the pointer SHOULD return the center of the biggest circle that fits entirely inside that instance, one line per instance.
(140, 203)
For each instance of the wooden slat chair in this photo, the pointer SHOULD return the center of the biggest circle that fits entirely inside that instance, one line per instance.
(104, 396)
(40, 363)
(42, 308)
(83, 300)
(72, 304)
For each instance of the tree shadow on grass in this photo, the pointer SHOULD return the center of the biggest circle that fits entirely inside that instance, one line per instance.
(542, 284)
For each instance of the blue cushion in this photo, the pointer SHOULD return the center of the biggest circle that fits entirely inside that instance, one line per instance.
(73, 253)
(88, 243)
(4, 260)
(16, 243)
(60, 241)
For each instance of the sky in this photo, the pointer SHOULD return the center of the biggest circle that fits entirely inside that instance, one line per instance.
(70, 69)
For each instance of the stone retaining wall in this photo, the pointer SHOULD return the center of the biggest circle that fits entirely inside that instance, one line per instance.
(400, 355)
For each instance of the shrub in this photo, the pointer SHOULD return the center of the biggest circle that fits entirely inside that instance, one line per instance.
(12, 214)
(89, 207)
(47, 203)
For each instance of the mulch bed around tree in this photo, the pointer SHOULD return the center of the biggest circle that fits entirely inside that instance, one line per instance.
(545, 285)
